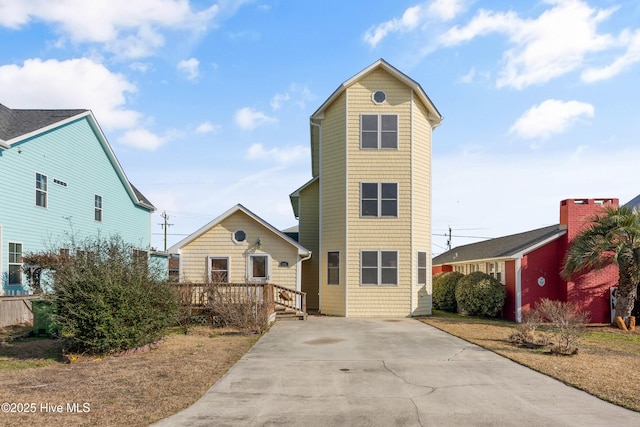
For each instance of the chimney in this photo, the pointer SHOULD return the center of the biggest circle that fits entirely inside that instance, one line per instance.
(574, 213)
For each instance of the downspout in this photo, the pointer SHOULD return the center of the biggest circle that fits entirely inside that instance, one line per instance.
(518, 290)
(319, 211)
(299, 277)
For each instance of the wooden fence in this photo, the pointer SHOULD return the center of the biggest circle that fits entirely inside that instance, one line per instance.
(16, 310)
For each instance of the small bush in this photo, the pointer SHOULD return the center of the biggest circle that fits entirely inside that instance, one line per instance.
(108, 301)
(527, 333)
(568, 324)
(479, 294)
(239, 308)
(444, 291)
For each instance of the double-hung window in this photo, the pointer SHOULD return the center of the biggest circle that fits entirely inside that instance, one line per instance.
(379, 199)
(15, 263)
(379, 268)
(333, 268)
(422, 268)
(219, 269)
(41, 190)
(379, 131)
(97, 208)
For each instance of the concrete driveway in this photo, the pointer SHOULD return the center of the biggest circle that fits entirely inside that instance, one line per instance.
(387, 372)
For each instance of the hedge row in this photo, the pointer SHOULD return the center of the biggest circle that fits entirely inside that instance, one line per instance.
(476, 294)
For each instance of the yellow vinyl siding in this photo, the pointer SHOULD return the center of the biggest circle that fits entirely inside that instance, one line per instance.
(309, 238)
(379, 166)
(421, 166)
(217, 242)
(333, 206)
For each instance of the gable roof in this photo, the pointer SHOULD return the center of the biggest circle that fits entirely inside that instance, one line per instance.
(434, 115)
(634, 203)
(19, 125)
(512, 246)
(237, 208)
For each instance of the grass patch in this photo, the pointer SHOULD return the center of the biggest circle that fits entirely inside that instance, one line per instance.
(605, 366)
(133, 390)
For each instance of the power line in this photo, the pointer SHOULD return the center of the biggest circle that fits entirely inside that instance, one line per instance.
(164, 226)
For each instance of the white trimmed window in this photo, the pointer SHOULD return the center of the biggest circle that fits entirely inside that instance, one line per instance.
(15, 263)
(239, 236)
(379, 131)
(97, 203)
(258, 268)
(333, 268)
(379, 199)
(379, 268)
(422, 268)
(41, 190)
(219, 269)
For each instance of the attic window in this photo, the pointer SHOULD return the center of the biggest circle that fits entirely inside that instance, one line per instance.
(379, 97)
(239, 236)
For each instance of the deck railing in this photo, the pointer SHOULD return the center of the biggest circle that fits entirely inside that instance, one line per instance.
(200, 296)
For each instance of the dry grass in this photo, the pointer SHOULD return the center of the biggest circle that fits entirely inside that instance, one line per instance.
(133, 390)
(606, 364)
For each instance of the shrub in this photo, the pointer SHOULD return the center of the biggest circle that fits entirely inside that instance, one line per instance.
(527, 333)
(479, 294)
(444, 291)
(243, 310)
(109, 301)
(568, 324)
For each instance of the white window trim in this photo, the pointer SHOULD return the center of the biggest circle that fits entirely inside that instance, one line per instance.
(380, 200)
(233, 236)
(9, 264)
(425, 267)
(97, 209)
(250, 269)
(339, 268)
(46, 191)
(210, 258)
(379, 139)
(379, 268)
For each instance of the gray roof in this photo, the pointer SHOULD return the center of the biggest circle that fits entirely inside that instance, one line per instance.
(14, 123)
(500, 247)
(634, 203)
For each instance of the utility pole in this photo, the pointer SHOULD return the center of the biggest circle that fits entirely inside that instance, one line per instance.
(166, 225)
(449, 240)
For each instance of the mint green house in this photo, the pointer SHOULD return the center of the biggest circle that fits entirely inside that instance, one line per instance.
(60, 178)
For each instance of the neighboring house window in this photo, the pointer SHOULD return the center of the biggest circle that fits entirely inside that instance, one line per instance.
(15, 263)
(258, 268)
(65, 253)
(98, 208)
(141, 259)
(422, 268)
(379, 131)
(219, 269)
(495, 270)
(379, 199)
(41, 190)
(333, 268)
(379, 268)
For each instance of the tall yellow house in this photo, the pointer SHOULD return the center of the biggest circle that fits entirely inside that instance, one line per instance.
(366, 212)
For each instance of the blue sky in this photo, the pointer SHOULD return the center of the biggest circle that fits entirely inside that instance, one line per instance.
(206, 103)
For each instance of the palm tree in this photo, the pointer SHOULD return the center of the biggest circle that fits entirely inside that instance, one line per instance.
(613, 239)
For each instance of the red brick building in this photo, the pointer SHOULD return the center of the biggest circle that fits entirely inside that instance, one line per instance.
(528, 264)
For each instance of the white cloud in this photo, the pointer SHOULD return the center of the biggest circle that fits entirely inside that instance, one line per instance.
(190, 67)
(248, 118)
(142, 139)
(622, 63)
(553, 44)
(298, 94)
(74, 83)
(279, 99)
(207, 127)
(280, 155)
(409, 20)
(128, 28)
(445, 10)
(549, 118)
